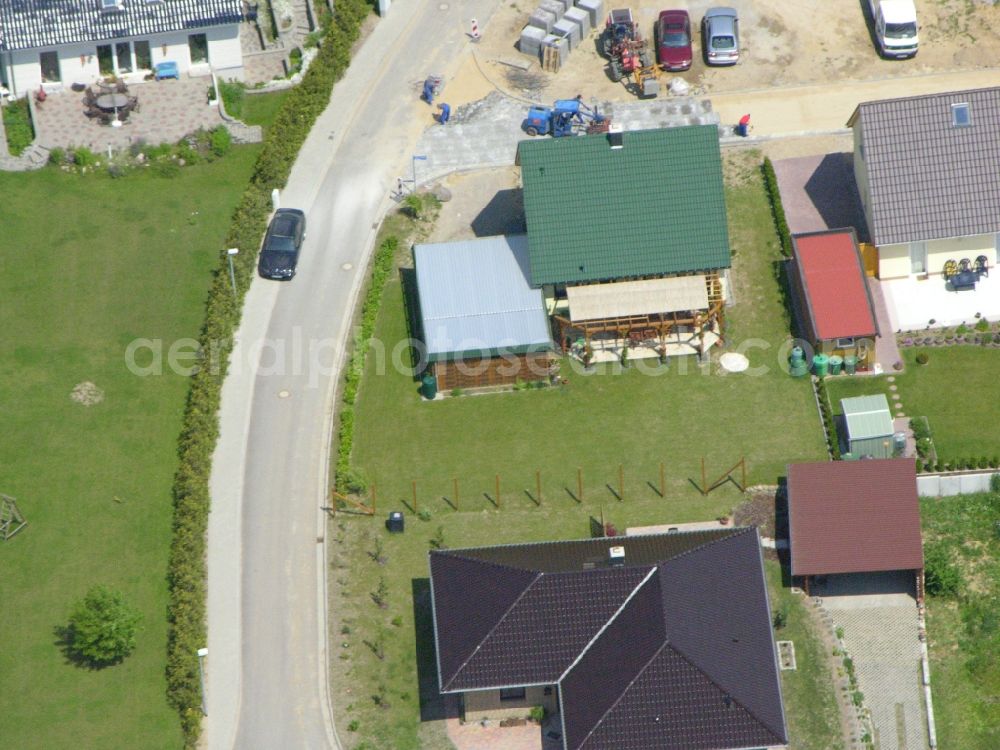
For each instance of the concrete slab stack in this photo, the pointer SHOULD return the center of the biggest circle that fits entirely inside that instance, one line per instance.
(595, 9)
(542, 19)
(565, 27)
(531, 40)
(581, 19)
(555, 7)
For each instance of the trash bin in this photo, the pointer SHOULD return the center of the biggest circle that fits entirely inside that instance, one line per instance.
(836, 362)
(743, 130)
(850, 364)
(820, 362)
(797, 366)
(429, 386)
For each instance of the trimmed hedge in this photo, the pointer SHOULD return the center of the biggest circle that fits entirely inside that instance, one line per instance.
(829, 425)
(777, 209)
(344, 477)
(200, 431)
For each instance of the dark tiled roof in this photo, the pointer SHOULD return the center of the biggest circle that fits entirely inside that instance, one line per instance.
(854, 517)
(681, 631)
(26, 24)
(927, 178)
(595, 213)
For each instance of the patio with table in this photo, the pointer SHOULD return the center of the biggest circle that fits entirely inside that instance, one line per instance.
(962, 293)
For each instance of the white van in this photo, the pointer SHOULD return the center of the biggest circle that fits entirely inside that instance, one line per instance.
(895, 27)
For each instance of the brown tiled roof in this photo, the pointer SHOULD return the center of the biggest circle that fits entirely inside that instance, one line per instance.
(928, 177)
(673, 649)
(854, 517)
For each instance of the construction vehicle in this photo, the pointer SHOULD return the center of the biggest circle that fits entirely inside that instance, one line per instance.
(565, 117)
(628, 54)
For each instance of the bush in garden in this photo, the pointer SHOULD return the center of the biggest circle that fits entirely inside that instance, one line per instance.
(102, 627)
(941, 575)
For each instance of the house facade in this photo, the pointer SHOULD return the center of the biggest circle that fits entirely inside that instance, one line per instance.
(628, 239)
(925, 168)
(53, 44)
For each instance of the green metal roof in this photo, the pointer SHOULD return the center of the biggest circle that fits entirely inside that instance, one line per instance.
(655, 206)
(867, 416)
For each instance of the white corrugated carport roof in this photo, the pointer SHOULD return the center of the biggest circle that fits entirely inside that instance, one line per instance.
(646, 297)
(475, 298)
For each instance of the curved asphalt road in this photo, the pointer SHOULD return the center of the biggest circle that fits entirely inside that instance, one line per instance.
(266, 671)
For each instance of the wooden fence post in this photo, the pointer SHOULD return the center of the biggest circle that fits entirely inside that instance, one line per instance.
(663, 481)
(704, 479)
(414, 483)
(455, 482)
(538, 485)
(621, 482)
(579, 484)
(374, 496)
(743, 463)
(498, 491)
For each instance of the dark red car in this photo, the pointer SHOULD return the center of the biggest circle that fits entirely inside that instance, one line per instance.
(673, 40)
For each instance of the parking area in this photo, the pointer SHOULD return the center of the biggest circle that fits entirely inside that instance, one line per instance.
(878, 613)
(782, 44)
(819, 192)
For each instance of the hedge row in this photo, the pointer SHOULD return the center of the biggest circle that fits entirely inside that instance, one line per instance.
(829, 427)
(777, 209)
(381, 268)
(200, 430)
(959, 464)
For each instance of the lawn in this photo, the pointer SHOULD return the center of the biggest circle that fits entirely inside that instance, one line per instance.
(89, 265)
(964, 632)
(253, 109)
(947, 391)
(632, 419)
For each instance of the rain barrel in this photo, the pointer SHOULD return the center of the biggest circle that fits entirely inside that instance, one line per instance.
(836, 362)
(429, 386)
(820, 362)
(797, 366)
(850, 364)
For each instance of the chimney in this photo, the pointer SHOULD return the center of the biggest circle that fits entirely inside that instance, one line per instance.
(616, 556)
(616, 137)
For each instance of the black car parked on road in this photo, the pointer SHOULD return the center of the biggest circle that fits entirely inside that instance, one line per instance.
(282, 243)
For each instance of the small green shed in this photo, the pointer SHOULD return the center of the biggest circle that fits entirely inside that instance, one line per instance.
(868, 424)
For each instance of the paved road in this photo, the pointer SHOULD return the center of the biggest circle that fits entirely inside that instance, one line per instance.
(266, 668)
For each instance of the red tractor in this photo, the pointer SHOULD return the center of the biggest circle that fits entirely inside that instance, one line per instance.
(623, 45)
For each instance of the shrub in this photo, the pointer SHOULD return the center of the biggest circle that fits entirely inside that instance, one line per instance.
(537, 714)
(922, 358)
(57, 156)
(995, 481)
(17, 123)
(84, 157)
(962, 329)
(353, 725)
(102, 627)
(233, 95)
(982, 325)
(941, 576)
(777, 209)
(456, 392)
(424, 515)
(220, 141)
(166, 168)
(780, 618)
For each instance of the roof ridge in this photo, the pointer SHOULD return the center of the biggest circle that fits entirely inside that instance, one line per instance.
(665, 644)
(497, 624)
(938, 95)
(673, 647)
(736, 531)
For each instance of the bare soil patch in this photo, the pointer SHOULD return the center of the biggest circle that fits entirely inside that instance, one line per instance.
(87, 393)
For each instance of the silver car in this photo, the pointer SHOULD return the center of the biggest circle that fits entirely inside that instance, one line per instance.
(720, 36)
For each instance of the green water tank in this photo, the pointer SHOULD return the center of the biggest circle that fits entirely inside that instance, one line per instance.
(820, 363)
(836, 362)
(850, 364)
(429, 386)
(797, 366)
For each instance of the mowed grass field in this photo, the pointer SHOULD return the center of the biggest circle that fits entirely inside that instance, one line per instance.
(633, 419)
(90, 264)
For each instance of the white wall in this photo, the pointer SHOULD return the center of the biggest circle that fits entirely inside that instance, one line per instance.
(894, 260)
(78, 62)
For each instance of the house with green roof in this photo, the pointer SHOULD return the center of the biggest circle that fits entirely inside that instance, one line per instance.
(627, 237)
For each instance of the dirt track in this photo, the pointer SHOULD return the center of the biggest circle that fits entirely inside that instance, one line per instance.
(783, 43)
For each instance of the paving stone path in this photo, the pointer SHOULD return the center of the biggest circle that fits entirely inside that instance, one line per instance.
(485, 133)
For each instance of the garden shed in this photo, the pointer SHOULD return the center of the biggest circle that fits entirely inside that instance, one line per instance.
(867, 426)
(481, 321)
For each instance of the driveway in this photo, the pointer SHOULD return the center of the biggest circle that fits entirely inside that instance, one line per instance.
(879, 616)
(818, 192)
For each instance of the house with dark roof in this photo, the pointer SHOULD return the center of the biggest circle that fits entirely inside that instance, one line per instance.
(849, 518)
(628, 238)
(482, 323)
(831, 296)
(926, 170)
(630, 643)
(55, 43)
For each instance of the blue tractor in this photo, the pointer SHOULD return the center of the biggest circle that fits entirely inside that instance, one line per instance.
(563, 118)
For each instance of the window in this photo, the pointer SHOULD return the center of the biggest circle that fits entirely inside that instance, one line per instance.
(110, 5)
(512, 694)
(961, 116)
(844, 343)
(105, 60)
(49, 62)
(918, 257)
(123, 51)
(143, 59)
(198, 44)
